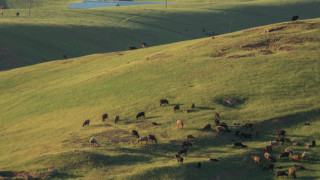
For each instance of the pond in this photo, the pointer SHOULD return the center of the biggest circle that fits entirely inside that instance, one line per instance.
(99, 4)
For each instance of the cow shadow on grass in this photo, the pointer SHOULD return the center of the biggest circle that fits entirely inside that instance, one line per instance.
(152, 117)
(205, 108)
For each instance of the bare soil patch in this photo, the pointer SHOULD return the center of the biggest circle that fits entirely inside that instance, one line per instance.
(273, 29)
(158, 56)
(262, 44)
(241, 56)
(266, 51)
(221, 54)
(225, 48)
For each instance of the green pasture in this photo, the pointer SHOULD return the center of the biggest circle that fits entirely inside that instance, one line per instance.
(274, 76)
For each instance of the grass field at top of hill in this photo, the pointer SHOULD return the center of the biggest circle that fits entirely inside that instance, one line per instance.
(273, 75)
(52, 30)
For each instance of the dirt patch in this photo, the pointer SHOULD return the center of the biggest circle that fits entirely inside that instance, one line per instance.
(266, 52)
(241, 56)
(224, 49)
(221, 54)
(115, 136)
(145, 125)
(18, 174)
(286, 48)
(261, 44)
(299, 40)
(158, 56)
(313, 26)
(273, 29)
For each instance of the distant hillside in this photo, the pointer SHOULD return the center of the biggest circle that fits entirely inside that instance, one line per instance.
(52, 30)
(271, 71)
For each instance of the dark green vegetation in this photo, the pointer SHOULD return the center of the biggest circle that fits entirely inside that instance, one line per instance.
(274, 75)
(52, 30)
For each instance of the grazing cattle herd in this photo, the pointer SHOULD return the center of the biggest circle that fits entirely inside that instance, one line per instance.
(242, 132)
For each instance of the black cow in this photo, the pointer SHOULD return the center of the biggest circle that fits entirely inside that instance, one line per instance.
(86, 122)
(207, 127)
(140, 114)
(163, 101)
(295, 18)
(104, 117)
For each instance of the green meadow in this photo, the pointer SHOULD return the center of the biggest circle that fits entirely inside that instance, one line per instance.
(272, 71)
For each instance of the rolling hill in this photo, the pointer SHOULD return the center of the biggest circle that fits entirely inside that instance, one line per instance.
(272, 71)
(52, 30)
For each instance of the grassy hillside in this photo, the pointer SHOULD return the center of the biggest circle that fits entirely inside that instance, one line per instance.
(273, 74)
(52, 30)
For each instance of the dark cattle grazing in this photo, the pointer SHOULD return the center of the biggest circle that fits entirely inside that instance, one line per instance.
(313, 143)
(284, 155)
(238, 144)
(135, 133)
(186, 143)
(140, 114)
(237, 133)
(163, 102)
(152, 138)
(104, 117)
(190, 137)
(248, 125)
(86, 122)
(199, 165)
(64, 56)
(17, 14)
(245, 136)
(132, 48)
(193, 106)
(116, 119)
(183, 151)
(179, 158)
(207, 127)
(280, 139)
(268, 148)
(295, 18)
(144, 45)
(281, 132)
(176, 107)
(268, 166)
(299, 167)
(306, 124)
(281, 173)
(215, 160)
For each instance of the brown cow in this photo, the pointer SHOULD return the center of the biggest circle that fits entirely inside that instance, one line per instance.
(296, 158)
(256, 159)
(176, 107)
(180, 124)
(217, 116)
(292, 173)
